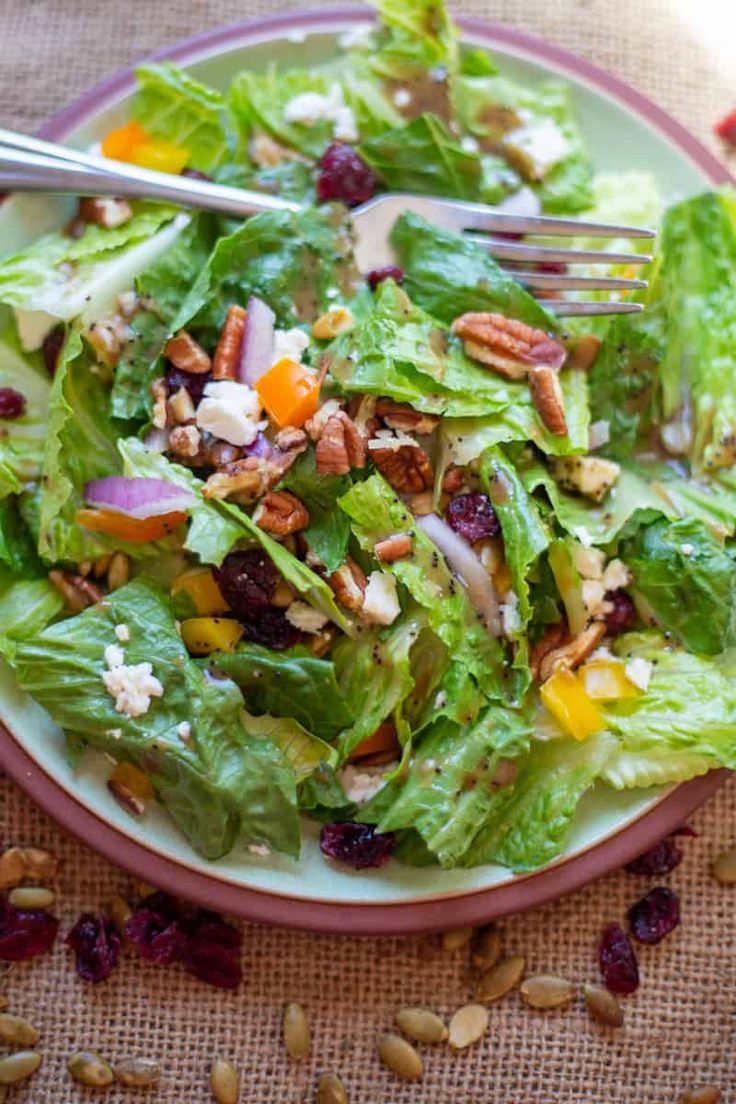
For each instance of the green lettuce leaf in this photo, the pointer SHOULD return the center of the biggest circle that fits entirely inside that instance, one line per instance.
(22, 439)
(26, 608)
(328, 531)
(174, 106)
(303, 751)
(419, 36)
(17, 546)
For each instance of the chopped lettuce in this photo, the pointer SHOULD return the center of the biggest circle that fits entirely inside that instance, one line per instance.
(26, 608)
(22, 439)
(419, 38)
(17, 546)
(328, 531)
(303, 751)
(173, 106)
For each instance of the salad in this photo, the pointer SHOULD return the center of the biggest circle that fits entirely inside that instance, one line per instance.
(402, 552)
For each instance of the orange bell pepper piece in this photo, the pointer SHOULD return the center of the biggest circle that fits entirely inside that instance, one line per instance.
(135, 530)
(119, 143)
(134, 779)
(289, 392)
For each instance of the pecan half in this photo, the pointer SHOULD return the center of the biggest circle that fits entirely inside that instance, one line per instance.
(105, 211)
(453, 481)
(159, 414)
(316, 424)
(108, 337)
(290, 437)
(77, 592)
(348, 585)
(340, 446)
(281, 512)
(401, 416)
(403, 462)
(575, 651)
(508, 346)
(551, 638)
(393, 548)
(546, 392)
(187, 354)
(226, 360)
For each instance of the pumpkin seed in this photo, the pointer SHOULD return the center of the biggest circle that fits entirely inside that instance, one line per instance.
(330, 1090)
(486, 948)
(546, 991)
(400, 1057)
(89, 1069)
(500, 979)
(724, 867)
(603, 1006)
(296, 1031)
(17, 1067)
(468, 1025)
(118, 912)
(702, 1094)
(32, 897)
(224, 1081)
(137, 1072)
(118, 572)
(12, 868)
(17, 1031)
(421, 1025)
(455, 940)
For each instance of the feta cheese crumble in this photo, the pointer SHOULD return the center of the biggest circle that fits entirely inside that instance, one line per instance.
(361, 785)
(259, 849)
(402, 97)
(184, 731)
(687, 549)
(289, 344)
(543, 143)
(380, 601)
(594, 596)
(310, 108)
(599, 434)
(639, 671)
(122, 632)
(469, 144)
(588, 562)
(305, 617)
(509, 610)
(114, 656)
(583, 535)
(231, 411)
(616, 575)
(132, 686)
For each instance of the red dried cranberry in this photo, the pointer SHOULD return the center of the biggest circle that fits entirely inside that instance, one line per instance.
(623, 614)
(389, 272)
(51, 348)
(556, 268)
(212, 951)
(473, 517)
(345, 176)
(194, 384)
(358, 845)
(96, 945)
(662, 858)
(155, 930)
(270, 627)
(25, 933)
(247, 580)
(618, 961)
(655, 915)
(195, 174)
(12, 403)
(726, 129)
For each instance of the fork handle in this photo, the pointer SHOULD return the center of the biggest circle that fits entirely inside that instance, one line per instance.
(24, 170)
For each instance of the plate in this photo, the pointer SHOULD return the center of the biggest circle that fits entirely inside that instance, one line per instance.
(623, 131)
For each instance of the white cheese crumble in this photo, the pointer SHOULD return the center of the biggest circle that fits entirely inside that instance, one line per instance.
(390, 439)
(259, 849)
(122, 632)
(594, 596)
(380, 601)
(402, 97)
(184, 731)
(616, 575)
(687, 549)
(509, 610)
(599, 434)
(469, 144)
(133, 686)
(440, 700)
(359, 37)
(230, 411)
(583, 535)
(639, 671)
(604, 654)
(543, 143)
(114, 656)
(289, 344)
(114, 733)
(589, 562)
(304, 617)
(361, 785)
(310, 108)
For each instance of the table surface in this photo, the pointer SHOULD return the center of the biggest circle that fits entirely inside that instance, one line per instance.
(679, 1028)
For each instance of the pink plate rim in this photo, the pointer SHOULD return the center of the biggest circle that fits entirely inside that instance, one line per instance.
(476, 906)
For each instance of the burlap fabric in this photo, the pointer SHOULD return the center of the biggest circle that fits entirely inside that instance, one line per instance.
(680, 1028)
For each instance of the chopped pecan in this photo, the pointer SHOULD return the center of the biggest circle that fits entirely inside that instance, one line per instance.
(453, 481)
(105, 211)
(290, 437)
(220, 453)
(181, 406)
(335, 321)
(362, 409)
(185, 440)
(348, 585)
(316, 424)
(268, 153)
(394, 547)
(248, 478)
(583, 353)
(108, 337)
(401, 416)
(187, 354)
(77, 592)
(340, 446)
(281, 512)
(574, 651)
(159, 414)
(402, 461)
(422, 504)
(546, 392)
(226, 360)
(508, 346)
(551, 638)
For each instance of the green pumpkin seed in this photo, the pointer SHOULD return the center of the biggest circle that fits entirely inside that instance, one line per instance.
(702, 1094)
(32, 897)
(224, 1081)
(118, 572)
(330, 1090)
(455, 940)
(486, 948)
(500, 979)
(17, 1067)
(400, 1057)
(137, 1072)
(724, 867)
(118, 912)
(17, 1032)
(603, 1006)
(421, 1025)
(468, 1025)
(88, 1068)
(297, 1036)
(546, 991)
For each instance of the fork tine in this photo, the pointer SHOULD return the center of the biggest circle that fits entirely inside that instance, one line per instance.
(553, 281)
(573, 309)
(519, 251)
(476, 216)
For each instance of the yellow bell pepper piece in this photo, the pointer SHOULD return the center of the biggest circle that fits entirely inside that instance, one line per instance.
(605, 680)
(134, 779)
(200, 585)
(564, 696)
(160, 155)
(289, 392)
(204, 635)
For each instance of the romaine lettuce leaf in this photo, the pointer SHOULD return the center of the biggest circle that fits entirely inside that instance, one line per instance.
(22, 439)
(303, 751)
(172, 105)
(17, 546)
(328, 531)
(420, 37)
(26, 608)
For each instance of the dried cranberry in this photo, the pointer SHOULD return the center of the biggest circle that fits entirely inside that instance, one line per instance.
(473, 517)
(155, 930)
(51, 348)
(655, 915)
(618, 961)
(25, 933)
(345, 176)
(96, 945)
(195, 384)
(389, 272)
(358, 845)
(726, 129)
(662, 858)
(212, 951)
(270, 627)
(195, 174)
(623, 614)
(555, 268)
(12, 403)
(247, 580)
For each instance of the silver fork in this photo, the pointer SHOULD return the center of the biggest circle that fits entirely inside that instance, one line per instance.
(31, 164)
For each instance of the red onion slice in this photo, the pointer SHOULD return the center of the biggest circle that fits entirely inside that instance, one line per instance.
(138, 498)
(256, 352)
(464, 563)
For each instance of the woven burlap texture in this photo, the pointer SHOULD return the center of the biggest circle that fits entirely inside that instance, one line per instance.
(680, 1028)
